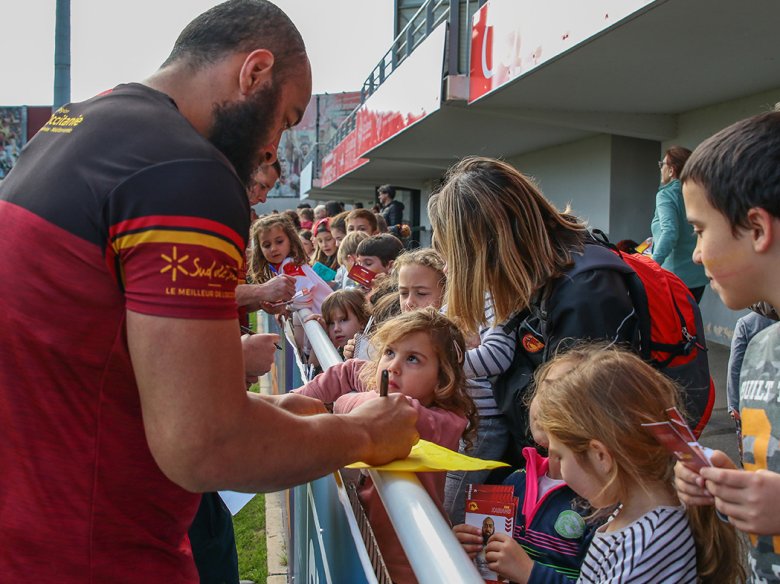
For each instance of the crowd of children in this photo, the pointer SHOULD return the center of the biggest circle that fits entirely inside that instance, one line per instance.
(601, 497)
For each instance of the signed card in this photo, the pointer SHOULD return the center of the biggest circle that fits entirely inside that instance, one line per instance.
(361, 275)
(491, 516)
(687, 452)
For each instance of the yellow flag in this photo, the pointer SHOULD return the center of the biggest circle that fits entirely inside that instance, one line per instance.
(427, 456)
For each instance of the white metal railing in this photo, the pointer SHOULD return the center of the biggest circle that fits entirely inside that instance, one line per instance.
(433, 552)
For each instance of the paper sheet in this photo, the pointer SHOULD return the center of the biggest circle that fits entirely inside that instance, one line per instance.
(427, 456)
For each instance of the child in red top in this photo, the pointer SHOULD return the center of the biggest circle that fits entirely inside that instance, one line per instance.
(423, 354)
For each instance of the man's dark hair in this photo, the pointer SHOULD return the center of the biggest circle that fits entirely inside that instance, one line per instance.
(388, 190)
(358, 205)
(739, 168)
(300, 205)
(384, 246)
(277, 167)
(240, 26)
(333, 208)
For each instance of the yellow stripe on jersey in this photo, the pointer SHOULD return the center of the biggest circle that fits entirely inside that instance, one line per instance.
(178, 237)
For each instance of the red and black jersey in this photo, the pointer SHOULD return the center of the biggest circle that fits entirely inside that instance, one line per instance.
(116, 204)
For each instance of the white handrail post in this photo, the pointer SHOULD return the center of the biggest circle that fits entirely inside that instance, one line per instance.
(434, 553)
(326, 353)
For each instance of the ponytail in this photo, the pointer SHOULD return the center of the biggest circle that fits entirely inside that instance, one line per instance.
(720, 553)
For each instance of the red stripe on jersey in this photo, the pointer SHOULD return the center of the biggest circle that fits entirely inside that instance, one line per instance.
(198, 223)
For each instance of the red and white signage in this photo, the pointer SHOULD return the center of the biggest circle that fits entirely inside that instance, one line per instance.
(412, 92)
(511, 37)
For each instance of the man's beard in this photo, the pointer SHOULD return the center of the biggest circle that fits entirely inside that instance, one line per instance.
(241, 129)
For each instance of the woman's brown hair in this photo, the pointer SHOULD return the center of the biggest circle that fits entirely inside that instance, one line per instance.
(678, 156)
(498, 234)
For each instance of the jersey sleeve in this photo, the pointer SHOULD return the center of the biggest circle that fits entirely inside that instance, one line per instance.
(176, 239)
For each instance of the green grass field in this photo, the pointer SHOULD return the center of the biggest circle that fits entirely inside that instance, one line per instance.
(249, 526)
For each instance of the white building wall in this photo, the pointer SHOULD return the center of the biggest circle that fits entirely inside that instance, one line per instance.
(577, 173)
(697, 125)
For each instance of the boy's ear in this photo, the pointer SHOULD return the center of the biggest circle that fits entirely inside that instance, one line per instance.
(600, 457)
(390, 264)
(763, 228)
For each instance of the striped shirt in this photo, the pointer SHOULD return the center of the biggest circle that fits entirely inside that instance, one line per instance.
(492, 357)
(657, 547)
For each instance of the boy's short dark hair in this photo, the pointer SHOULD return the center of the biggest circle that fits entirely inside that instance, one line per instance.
(307, 213)
(363, 214)
(384, 246)
(739, 167)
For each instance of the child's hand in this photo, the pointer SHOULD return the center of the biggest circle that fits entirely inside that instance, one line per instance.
(473, 341)
(274, 308)
(748, 498)
(470, 537)
(319, 319)
(349, 348)
(300, 404)
(690, 486)
(506, 557)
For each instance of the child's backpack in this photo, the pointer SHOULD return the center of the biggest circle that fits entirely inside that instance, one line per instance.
(669, 335)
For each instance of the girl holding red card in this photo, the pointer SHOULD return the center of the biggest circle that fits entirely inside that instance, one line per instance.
(277, 249)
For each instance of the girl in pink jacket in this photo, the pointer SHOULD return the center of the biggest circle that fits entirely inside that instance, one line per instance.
(422, 352)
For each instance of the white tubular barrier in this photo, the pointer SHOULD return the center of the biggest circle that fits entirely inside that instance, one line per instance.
(326, 353)
(434, 553)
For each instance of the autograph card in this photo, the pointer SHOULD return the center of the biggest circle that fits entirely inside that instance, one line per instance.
(688, 452)
(679, 423)
(491, 516)
(361, 275)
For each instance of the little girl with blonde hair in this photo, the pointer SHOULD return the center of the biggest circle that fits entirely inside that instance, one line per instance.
(592, 402)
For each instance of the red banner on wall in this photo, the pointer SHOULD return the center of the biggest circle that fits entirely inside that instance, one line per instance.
(411, 93)
(342, 159)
